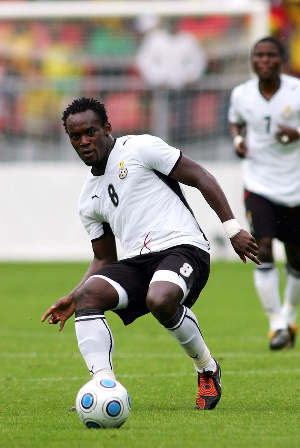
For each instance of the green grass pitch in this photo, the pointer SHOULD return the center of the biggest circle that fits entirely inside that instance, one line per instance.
(42, 370)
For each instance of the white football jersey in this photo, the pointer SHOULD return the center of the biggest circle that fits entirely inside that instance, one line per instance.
(144, 212)
(271, 168)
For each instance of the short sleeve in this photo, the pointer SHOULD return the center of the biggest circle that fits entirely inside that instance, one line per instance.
(234, 115)
(155, 154)
(95, 229)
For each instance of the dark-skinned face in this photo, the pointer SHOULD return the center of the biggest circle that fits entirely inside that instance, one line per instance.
(267, 61)
(90, 139)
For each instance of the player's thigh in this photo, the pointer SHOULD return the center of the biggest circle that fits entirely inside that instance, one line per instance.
(184, 269)
(289, 222)
(293, 255)
(130, 281)
(291, 237)
(262, 216)
(97, 292)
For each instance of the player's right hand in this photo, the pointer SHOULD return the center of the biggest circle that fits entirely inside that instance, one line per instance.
(241, 150)
(60, 311)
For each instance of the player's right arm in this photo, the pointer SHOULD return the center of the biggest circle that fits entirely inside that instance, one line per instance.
(237, 124)
(237, 132)
(104, 253)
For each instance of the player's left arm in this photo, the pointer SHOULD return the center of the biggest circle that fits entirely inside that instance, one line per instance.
(195, 175)
(287, 134)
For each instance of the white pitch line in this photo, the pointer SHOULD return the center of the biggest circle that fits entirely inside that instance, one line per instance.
(289, 353)
(151, 375)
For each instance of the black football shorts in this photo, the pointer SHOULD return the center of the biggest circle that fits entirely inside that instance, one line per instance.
(135, 274)
(270, 220)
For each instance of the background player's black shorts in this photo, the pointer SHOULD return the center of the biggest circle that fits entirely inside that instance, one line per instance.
(269, 220)
(134, 275)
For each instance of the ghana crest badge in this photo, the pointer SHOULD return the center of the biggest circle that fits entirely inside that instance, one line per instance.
(122, 170)
(287, 113)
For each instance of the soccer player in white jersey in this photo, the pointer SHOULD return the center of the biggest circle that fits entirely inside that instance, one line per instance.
(132, 192)
(264, 117)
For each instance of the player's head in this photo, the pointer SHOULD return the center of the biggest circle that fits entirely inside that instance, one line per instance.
(86, 123)
(274, 41)
(267, 57)
(82, 105)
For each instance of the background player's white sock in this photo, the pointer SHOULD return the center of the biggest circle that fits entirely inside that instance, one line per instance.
(266, 280)
(95, 340)
(291, 296)
(185, 329)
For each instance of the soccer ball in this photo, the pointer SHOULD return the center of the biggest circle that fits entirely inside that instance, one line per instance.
(103, 403)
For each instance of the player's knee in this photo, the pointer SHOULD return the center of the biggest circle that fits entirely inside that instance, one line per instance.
(91, 296)
(88, 297)
(155, 303)
(162, 306)
(265, 253)
(82, 298)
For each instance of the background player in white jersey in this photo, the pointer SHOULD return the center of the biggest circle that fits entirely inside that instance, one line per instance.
(264, 116)
(132, 192)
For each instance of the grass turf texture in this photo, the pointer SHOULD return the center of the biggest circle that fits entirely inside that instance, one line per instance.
(42, 370)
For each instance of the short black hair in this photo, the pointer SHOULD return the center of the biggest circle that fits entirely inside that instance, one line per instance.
(82, 105)
(274, 41)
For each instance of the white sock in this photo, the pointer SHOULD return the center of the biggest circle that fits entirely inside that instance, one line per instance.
(95, 340)
(291, 296)
(185, 329)
(105, 374)
(266, 280)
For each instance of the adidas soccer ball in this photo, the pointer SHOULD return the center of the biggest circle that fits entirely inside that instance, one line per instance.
(103, 403)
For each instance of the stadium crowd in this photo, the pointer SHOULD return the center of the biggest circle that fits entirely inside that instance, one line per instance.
(44, 63)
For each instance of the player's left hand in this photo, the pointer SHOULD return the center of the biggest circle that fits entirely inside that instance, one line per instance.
(245, 246)
(287, 135)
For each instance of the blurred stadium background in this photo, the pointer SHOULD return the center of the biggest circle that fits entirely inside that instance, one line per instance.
(131, 55)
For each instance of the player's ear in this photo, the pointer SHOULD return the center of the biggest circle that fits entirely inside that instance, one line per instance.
(107, 128)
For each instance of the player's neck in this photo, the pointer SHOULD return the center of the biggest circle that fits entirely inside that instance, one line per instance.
(268, 87)
(99, 169)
